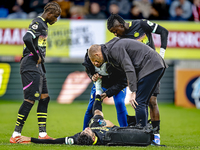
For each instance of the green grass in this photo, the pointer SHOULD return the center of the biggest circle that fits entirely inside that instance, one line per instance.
(180, 127)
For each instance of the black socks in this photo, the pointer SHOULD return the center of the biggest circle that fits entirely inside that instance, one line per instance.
(22, 115)
(42, 113)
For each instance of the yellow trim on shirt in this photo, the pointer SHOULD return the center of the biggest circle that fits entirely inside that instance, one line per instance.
(130, 23)
(95, 141)
(41, 18)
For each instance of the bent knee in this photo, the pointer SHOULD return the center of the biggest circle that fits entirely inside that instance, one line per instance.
(153, 101)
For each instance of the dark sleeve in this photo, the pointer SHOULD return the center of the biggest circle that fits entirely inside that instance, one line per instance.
(34, 31)
(28, 40)
(71, 140)
(48, 141)
(120, 55)
(88, 73)
(150, 27)
(163, 34)
(89, 67)
(120, 85)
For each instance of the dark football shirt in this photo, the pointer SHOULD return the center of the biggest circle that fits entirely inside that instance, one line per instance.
(96, 127)
(39, 31)
(141, 30)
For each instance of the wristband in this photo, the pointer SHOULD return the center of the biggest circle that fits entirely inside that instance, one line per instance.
(69, 141)
(162, 52)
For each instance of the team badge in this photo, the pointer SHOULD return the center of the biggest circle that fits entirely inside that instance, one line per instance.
(37, 94)
(136, 34)
(149, 23)
(35, 26)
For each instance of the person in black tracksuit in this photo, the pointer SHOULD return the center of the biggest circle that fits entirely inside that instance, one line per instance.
(32, 70)
(141, 30)
(114, 84)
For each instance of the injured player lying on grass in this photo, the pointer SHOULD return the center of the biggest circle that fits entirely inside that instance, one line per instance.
(100, 132)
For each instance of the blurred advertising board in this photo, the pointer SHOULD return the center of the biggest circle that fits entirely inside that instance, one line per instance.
(5, 70)
(183, 40)
(71, 38)
(187, 90)
(66, 38)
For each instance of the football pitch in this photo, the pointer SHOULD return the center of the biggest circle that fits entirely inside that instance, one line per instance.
(180, 127)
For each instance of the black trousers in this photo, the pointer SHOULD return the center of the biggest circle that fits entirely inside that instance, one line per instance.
(145, 88)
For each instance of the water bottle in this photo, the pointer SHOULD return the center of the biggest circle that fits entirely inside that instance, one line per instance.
(101, 122)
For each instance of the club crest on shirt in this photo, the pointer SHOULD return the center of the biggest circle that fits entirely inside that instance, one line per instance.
(37, 94)
(136, 34)
(34, 26)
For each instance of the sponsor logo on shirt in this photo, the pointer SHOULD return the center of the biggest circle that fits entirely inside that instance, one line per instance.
(35, 26)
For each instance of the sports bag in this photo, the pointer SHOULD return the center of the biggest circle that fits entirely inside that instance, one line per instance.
(132, 136)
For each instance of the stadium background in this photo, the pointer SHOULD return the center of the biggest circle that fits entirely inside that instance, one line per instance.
(67, 43)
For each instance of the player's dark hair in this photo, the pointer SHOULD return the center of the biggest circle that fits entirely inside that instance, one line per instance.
(111, 20)
(84, 139)
(52, 7)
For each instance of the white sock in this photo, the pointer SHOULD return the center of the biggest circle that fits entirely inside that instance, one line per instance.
(98, 87)
(15, 133)
(42, 134)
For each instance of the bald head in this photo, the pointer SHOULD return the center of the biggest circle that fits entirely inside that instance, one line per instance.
(95, 55)
(94, 49)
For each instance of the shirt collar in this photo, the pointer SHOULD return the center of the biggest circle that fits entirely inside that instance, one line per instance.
(41, 18)
(95, 141)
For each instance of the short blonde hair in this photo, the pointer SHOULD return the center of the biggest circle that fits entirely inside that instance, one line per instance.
(93, 49)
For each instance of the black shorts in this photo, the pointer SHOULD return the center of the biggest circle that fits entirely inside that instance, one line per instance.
(157, 90)
(34, 84)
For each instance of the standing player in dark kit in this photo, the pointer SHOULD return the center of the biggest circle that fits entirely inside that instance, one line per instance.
(33, 71)
(141, 30)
